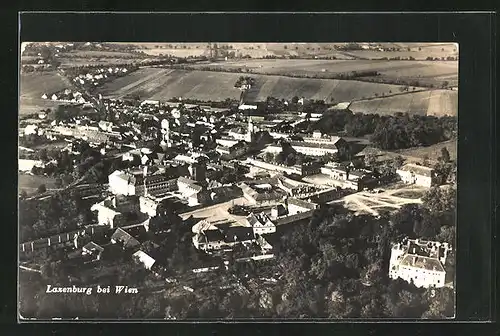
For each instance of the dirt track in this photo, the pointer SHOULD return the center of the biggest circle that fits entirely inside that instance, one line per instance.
(366, 202)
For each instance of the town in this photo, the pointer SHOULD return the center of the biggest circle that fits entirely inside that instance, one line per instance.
(233, 208)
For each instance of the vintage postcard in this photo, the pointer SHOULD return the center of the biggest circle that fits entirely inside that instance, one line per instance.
(218, 180)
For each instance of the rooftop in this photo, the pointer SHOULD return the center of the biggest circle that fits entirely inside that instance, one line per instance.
(431, 264)
(418, 170)
(302, 203)
(313, 144)
(93, 247)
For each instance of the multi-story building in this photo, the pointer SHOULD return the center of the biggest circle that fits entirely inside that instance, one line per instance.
(415, 174)
(136, 183)
(315, 146)
(261, 224)
(419, 262)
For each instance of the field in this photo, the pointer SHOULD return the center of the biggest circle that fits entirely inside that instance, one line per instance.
(432, 152)
(428, 72)
(432, 102)
(164, 84)
(33, 86)
(419, 51)
(30, 183)
(97, 57)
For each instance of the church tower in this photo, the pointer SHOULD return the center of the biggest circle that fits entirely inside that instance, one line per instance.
(250, 130)
(165, 125)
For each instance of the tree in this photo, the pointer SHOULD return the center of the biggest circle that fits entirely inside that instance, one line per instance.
(445, 155)
(23, 194)
(442, 303)
(42, 188)
(370, 159)
(398, 161)
(43, 155)
(290, 159)
(58, 182)
(269, 157)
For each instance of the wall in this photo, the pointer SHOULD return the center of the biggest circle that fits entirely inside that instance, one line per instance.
(294, 218)
(269, 166)
(421, 277)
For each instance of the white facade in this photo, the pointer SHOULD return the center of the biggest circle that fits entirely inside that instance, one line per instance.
(261, 224)
(314, 151)
(148, 206)
(119, 184)
(307, 150)
(27, 165)
(413, 178)
(145, 259)
(420, 277)
(226, 142)
(105, 215)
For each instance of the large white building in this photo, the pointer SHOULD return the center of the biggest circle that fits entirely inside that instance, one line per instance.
(314, 146)
(419, 262)
(128, 183)
(415, 174)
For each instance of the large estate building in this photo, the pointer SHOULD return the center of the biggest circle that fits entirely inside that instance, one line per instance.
(415, 174)
(419, 262)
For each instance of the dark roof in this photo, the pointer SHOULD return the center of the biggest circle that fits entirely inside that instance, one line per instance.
(238, 233)
(252, 219)
(93, 247)
(138, 232)
(314, 144)
(155, 179)
(121, 235)
(213, 235)
(281, 209)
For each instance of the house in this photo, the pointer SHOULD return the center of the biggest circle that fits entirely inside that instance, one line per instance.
(244, 107)
(419, 262)
(187, 186)
(31, 129)
(136, 183)
(415, 174)
(129, 238)
(318, 148)
(295, 206)
(223, 150)
(144, 258)
(94, 250)
(44, 96)
(211, 240)
(261, 224)
(279, 210)
(26, 165)
(42, 115)
(106, 215)
(106, 125)
(54, 97)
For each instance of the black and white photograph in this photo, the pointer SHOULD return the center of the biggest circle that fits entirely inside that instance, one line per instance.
(218, 180)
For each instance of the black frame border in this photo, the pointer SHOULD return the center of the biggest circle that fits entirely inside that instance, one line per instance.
(476, 146)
